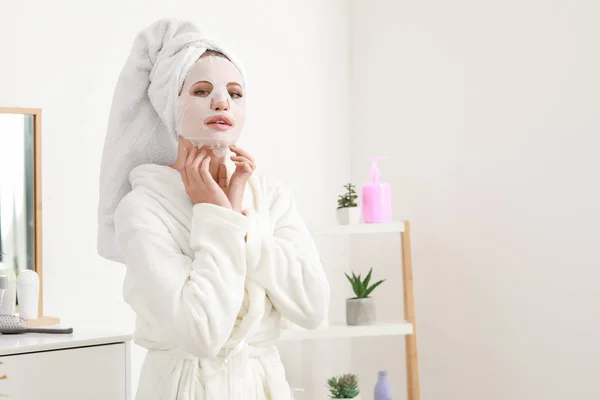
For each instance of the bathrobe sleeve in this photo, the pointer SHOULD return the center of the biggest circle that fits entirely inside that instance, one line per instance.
(193, 302)
(284, 259)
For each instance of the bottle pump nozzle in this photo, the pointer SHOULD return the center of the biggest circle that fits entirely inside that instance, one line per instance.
(375, 172)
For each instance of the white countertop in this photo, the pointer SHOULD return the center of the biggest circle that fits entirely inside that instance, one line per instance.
(34, 342)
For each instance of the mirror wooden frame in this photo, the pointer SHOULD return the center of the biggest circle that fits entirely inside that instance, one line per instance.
(37, 190)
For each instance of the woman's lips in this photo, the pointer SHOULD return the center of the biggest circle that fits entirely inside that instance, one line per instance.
(219, 123)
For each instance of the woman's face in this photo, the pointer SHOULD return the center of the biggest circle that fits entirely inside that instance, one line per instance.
(212, 105)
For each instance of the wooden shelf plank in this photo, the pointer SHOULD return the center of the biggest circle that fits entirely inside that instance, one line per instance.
(344, 331)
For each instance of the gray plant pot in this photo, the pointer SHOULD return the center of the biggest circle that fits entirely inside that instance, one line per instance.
(360, 311)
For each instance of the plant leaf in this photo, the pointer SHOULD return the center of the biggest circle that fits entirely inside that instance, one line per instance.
(368, 278)
(361, 290)
(343, 387)
(356, 289)
(352, 282)
(349, 279)
(369, 290)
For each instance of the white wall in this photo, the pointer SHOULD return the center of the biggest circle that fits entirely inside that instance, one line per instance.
(489, 113)
(65, 56)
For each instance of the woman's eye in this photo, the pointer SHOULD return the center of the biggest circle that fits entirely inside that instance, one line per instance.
(235, 95)
(201, 92)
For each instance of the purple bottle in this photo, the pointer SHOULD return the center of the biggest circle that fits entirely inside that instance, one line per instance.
(383, 391)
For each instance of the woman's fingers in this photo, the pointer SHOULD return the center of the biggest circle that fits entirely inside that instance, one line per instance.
(205, 172)
(237, 159)
(181, 152)
(191, 156)
(244, 166)
(182, 156)
(182, 171)
(241, 152)
(189, 162)
(199, 158)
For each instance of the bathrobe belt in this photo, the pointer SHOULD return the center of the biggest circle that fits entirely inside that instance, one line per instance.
(234, 362)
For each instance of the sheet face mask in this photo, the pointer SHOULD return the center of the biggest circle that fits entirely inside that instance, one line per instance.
(212, 113)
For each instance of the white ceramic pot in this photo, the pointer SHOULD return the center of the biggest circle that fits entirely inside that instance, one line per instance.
(347, 215)
(360, 311)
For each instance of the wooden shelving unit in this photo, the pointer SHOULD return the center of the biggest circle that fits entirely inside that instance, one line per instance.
(406, 328)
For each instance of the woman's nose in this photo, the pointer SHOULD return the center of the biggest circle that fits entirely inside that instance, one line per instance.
(219, 104)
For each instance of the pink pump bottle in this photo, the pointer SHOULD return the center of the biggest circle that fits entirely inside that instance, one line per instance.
(376, 197)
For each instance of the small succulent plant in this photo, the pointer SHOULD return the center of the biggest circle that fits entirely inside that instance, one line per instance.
(348, 199)
(361, 287)
(343, 387)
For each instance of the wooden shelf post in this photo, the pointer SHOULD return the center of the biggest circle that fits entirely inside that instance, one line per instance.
(412, 364)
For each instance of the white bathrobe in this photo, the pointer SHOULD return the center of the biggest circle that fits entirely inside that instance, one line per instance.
(209, 304)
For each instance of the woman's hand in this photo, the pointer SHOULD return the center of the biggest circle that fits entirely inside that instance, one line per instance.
(199, 184)
(244, 167)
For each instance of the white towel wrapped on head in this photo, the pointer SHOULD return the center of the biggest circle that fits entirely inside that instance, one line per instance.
(142, 123)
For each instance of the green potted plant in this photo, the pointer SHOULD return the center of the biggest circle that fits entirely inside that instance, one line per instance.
(343, 387)
(347, 210)
(360, 310)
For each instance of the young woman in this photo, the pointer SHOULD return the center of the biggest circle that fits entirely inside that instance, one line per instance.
(216, 256)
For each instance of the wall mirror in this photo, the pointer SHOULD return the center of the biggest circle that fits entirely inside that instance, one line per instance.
(21, 192)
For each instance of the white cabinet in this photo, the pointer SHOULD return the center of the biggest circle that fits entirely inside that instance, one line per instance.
(64, 367)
